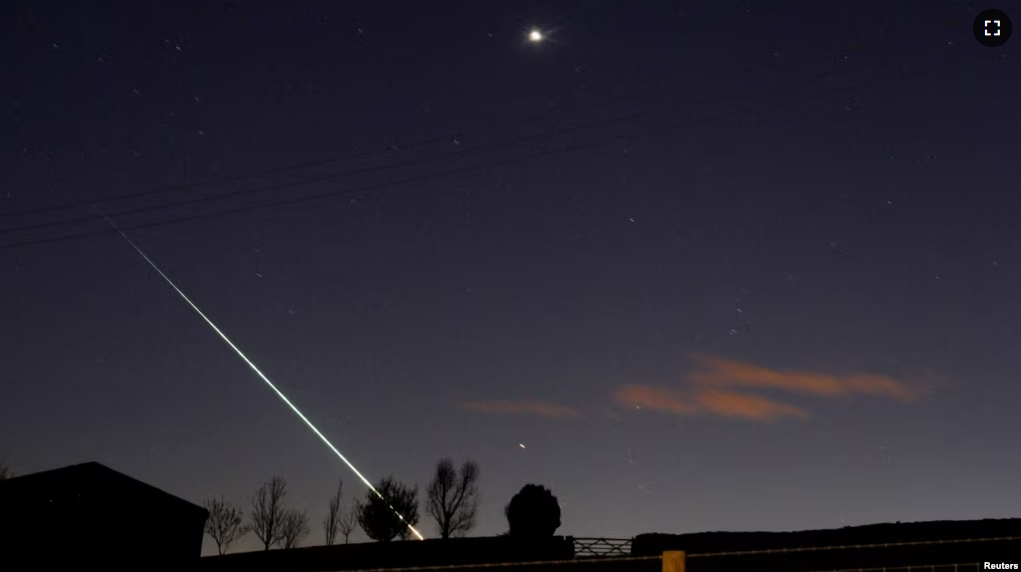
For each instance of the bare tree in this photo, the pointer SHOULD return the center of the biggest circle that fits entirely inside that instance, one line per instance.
(454, 498)
(5, 472)
(267, 512)
(386, 516)
(348, 522)
(225, 523)
(293, 528)
(331, 522)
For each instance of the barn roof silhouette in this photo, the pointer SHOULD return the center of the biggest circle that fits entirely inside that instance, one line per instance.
(90, 513)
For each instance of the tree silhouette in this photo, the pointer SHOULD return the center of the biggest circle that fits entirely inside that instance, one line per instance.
(348, 522)
(225, 523)
(533, 513)
(331, 522)
(453, 497)
(267, 511)
(5, 472)
(379, 518)
(293, 528)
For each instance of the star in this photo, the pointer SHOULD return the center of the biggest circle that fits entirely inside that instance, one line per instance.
(535, 36)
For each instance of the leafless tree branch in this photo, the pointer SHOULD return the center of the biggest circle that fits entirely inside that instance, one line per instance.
(331, 522)
(453, 498)
(293, 528)
(267, 512)
(225, 524)
(348, 522)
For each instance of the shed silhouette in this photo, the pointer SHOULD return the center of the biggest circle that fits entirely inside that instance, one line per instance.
(89, 514)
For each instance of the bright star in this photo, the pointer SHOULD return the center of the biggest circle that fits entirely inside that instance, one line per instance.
(535, 36)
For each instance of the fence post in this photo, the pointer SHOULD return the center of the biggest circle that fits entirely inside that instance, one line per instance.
(673, 561)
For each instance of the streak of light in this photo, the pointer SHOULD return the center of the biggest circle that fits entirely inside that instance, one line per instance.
(262, 376)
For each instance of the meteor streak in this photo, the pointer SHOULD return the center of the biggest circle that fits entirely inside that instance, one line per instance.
(279, 393)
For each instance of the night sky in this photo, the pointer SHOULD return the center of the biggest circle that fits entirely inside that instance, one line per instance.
(693, 265)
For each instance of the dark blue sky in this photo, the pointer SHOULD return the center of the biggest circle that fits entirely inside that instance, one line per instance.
(715, 265)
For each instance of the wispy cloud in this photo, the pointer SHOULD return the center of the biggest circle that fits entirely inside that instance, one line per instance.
(532, 407)
(720, 372)
(721, 387)
(707, 402)
(747, 406)
(655, 398)
(724, 388)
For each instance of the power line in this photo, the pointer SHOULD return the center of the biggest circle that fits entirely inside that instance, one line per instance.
(378, 168)
(537, 118)
(328, 177)
(343, 174)
(434, 175)
(527, 120)
(424, 142)
(485, 165)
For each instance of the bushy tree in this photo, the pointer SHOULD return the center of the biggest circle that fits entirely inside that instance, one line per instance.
(379, 518)
(533, 513)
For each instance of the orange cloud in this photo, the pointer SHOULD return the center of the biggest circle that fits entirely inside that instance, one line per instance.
(713, 402)
(712, 391)
(747, 406)
(721, 372)
(535, 407)
(654, 398)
